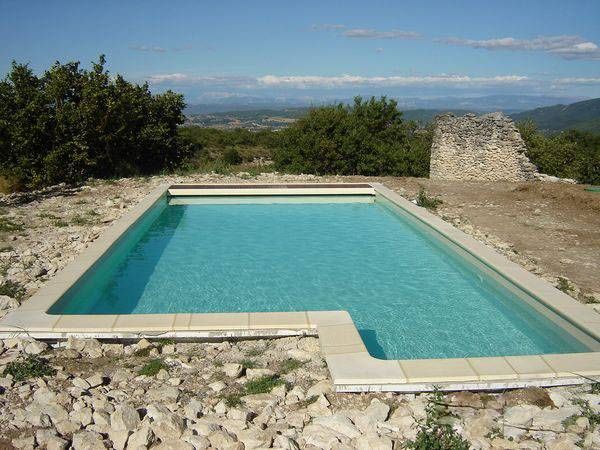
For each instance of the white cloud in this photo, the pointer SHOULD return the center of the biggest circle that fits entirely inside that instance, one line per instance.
(578, 80)
(228, 86)
(146, 48)
(366, 33)
(567, 47)
(302, 82)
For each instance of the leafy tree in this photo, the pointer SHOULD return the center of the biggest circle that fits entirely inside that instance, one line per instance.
(367, 138)
(568, 154)
(70, 124)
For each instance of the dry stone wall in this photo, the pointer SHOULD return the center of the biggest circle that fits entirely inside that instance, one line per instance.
(486, 148)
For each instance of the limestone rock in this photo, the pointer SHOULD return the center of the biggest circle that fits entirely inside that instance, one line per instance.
(486, 148)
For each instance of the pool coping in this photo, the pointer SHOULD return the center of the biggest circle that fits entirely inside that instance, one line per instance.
(351, 367)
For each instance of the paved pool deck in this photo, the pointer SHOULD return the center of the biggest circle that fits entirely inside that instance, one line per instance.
(351, 367)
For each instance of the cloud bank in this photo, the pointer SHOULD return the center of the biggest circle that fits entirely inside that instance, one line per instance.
(567, 47)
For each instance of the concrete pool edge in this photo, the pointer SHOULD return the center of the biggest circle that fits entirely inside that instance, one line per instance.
(351, 367)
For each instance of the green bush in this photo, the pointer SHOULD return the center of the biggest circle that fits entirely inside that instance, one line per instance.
(232, 157)
(69, 124)
(568, 154)
(262, 384)
(153, 367)
(31, 367)
(367, 138)
(434, 433)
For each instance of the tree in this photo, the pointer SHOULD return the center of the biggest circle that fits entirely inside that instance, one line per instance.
(367, 138)
(70, 124)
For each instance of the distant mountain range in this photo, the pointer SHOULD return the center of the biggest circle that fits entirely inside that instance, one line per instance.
(583, 115)
(506, 103)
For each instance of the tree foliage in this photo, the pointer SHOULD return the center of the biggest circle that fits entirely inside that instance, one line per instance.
(367, 138)
(70, 124)
(568, 154)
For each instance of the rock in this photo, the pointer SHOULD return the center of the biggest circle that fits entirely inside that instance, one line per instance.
(81, 383)
(174, 445)
(56, 443)
(255, 438)
(166, 425)
(285, 443)
(322, 387)
(552, 419)
(66, 427)
(320, 407)
(338, 423)
(217, 386)
(563, 443)
(529, 396)
(252, 374)
(140, 438)
(7, 303)
(35, 347)
(376, 412)
(521, 415)
(163, 394)
(162, 375)
(372, 441)
(24, 442)
(82, 416)
(319, 436)
(125, 418)
(193, 409)
(87, 440)
(198, 442)
(233, 370)
(221, 439)
(467, 399)
(118, 438)
(95, 380)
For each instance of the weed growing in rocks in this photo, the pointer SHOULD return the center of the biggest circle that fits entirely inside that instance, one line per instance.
(143, 352)
(6, 248)
(427, 202)
(587, 411)
(564, 285)
(263, 384)
(232, 400)
(433, 433)
(289, 365)
(31, 367)
(255, 351)
(152, 368)
(12, 289)
(249, 364)
(10, 226)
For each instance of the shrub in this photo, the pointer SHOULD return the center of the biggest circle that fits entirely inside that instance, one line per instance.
(433, 433)
(232, 157)
(568, 154)
(13, 289)
(153, 367)
(70, 124)
(367, 138)
(427, 202)
(263, 384)
(31, 367)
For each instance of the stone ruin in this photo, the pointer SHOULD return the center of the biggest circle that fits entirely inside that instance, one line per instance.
(482, 148)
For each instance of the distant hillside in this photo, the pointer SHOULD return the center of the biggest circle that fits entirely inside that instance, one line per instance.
(583, 115)
(425, 116)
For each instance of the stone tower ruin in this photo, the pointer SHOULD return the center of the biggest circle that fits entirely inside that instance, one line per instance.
(485, 148)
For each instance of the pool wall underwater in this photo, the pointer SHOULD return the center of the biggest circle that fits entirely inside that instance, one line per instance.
(351, 365)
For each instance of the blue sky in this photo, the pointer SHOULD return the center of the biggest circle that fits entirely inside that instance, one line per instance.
(319, 49)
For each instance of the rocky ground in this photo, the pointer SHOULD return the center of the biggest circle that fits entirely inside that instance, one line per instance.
(243, 394)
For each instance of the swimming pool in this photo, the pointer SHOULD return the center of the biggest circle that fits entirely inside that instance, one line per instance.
(410, 294)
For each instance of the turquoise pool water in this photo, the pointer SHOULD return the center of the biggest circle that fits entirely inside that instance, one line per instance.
(410, 295)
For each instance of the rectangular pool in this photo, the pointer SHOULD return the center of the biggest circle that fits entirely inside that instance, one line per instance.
(411, 294)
